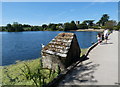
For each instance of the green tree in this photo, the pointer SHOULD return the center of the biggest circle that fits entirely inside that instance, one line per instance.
(50, 25)
(40, 28)
(60, 27)
(3, 28)
(67, 26)
(89, 22)
(44, 26)
(10, 28)
(53, 27)
(118, 26)
(70, 26)
(82, 26)
(26, 25)
(60, 24)
(34, 28)
(99, 23)
(73, 26)
(17, 27)
(110, 24)
(118, 23)
(103, 19)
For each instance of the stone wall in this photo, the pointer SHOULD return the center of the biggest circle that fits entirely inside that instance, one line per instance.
(62, 51)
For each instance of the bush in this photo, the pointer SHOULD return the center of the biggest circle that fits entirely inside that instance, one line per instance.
(116, 28)
(67, 27)
(95, 27)
(82, 26)
(103, 27)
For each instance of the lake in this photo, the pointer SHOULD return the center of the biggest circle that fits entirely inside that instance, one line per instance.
(27, 45)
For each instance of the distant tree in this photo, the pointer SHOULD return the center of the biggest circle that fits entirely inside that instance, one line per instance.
(50, 25)
(40, 28)
(73, 26)
(118, 23)
(89, 22)
(67, 26)
(10, 28)
(26, 25)
(60, 24)
(103, 20)
(0, 28)
(117, 28)
(34, 28)
(44, 26)
(110, 24)
(17, 27)
(82, 26)
(3, 28)
(84, 22)
(53, 27)
(98, 23)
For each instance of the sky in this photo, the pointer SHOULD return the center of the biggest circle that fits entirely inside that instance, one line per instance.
(38, 13)
(60, 0)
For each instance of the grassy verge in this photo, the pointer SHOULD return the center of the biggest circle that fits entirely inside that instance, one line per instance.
(12, 74)
(83, 52)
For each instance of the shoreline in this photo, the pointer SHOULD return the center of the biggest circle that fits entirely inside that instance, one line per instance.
(83, 50)
(97, 30)
(14, 71)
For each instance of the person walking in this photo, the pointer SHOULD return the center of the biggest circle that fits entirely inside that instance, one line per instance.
(102, 35)
(106, 35)
(99, 38)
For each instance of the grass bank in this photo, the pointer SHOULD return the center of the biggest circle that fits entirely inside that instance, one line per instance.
(83, 52)
(13, 75)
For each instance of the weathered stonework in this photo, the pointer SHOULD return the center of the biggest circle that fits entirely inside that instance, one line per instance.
(62, 51)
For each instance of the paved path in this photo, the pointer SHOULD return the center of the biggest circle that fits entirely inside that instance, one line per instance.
(100, 69)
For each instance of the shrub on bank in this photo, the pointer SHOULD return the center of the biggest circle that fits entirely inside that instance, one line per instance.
(116, 28)
(82, 26)
(95, 27)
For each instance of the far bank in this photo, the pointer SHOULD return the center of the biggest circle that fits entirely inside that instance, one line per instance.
(94, 30)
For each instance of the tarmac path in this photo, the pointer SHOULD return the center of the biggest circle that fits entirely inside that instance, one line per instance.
(100, 69)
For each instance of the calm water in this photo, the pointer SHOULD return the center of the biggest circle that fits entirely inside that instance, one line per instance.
(27, 45)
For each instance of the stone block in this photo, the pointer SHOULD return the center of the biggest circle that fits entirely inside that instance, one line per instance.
(62, 51)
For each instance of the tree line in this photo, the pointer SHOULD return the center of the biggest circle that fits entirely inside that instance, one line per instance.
(103, 23)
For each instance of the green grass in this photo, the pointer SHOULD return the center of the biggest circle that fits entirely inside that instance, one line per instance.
(13, 75)
(83, 52)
